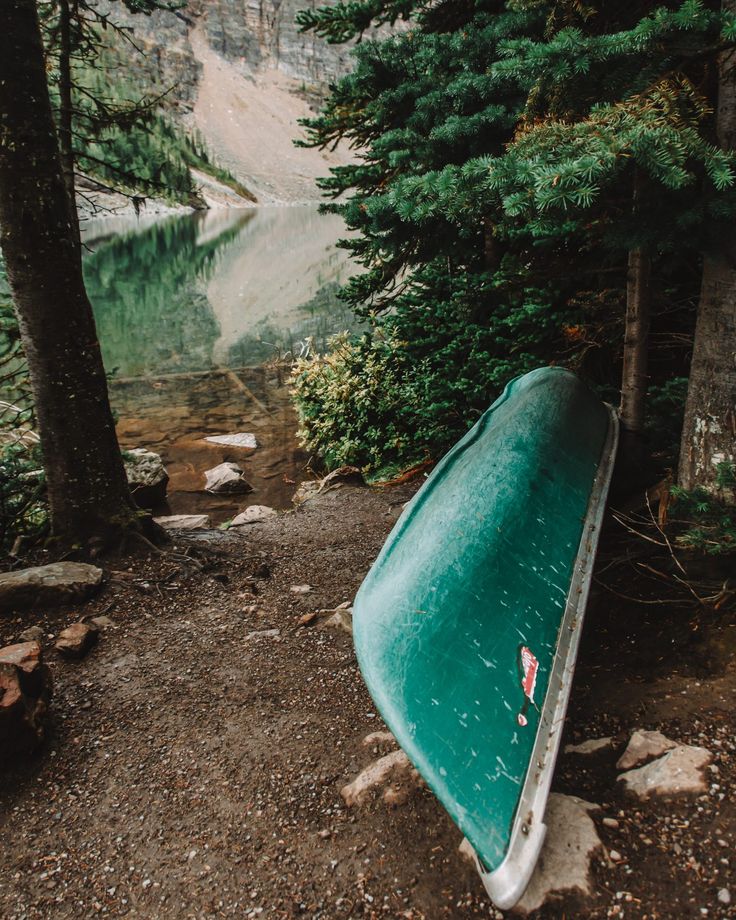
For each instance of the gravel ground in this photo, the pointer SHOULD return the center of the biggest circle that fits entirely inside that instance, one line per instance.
(195, 757)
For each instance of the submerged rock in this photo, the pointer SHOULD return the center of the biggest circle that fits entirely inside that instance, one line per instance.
(48, 585)
(244, 440)
(25, 690)
(147, 477)
(226, 477)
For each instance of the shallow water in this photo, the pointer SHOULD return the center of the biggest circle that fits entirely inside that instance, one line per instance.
(195, 314)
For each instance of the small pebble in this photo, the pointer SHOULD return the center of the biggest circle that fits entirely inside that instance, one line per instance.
(724, 896)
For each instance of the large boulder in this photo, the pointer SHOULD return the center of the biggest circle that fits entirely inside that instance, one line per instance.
(25, 691)
(227, 478)
(48, 585)
(147, 477)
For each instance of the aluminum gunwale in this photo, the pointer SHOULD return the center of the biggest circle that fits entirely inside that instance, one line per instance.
(506, 884)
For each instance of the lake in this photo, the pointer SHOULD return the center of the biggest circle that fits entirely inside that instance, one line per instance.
(197, 316)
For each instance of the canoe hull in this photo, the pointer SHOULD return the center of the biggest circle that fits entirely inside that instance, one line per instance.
(467, 626)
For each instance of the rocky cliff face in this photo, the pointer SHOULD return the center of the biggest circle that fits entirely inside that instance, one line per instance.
(240, 73)
(262, 34)
(254, 35)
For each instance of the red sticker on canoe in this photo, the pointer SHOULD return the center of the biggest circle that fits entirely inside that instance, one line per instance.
(529, 668)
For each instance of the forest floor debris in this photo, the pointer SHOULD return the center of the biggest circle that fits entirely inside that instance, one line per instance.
(190, 771)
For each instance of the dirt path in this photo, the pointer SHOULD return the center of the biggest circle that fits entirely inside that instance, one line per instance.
(193, 770)
(251, 122)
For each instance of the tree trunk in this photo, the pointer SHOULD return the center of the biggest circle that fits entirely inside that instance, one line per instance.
(87, 488)
(66, 111)
(709, 430)
(634, 379)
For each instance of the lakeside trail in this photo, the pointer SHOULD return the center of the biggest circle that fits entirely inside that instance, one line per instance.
(196, 757)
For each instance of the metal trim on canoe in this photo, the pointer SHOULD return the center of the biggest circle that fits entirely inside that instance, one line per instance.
(507, 883)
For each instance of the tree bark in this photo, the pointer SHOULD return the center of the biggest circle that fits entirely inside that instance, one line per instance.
(66, 110)
(634, 379)
(87, 487)
(709, 430)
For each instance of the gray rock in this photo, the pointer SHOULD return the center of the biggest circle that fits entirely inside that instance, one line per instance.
(253, 514)
(724, 896)
(677, 773)
(147, 476)
(76, 640)
(48, 585)
(243, 440)
(376, 775)
(263, 634)
(226, 477)
(642, 747)
(564, 863)
(591, 746)
(25, 690)
(184, 521)
(340, 619)
(32, 634)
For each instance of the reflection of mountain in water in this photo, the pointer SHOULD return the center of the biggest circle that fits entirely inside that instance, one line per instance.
(189, 293)
(148, 291)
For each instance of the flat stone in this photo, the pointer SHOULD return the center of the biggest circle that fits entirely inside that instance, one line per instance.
(591, 746)
(376, 775)
(184, 521)
(375, 738)
(76, 640)
(102, 621)
(564, 863)
(253, 514)
(642, 747)
(263, 633)
(678, 772)
(25, 690)
(226, 477)
(48, 585)
(300, 589)
(244, 440)
(147, 476)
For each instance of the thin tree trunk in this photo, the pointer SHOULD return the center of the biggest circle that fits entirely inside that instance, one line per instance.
(709, 430)
(634, 377)
(87, 488)
(66, 111)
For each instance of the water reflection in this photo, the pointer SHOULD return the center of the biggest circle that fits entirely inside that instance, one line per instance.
(184, 301)
(192, 292)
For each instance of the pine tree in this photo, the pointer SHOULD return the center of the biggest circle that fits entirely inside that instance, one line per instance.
(534, 147)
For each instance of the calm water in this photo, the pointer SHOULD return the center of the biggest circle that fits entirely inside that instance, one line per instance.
(214, 288)
(191, 313)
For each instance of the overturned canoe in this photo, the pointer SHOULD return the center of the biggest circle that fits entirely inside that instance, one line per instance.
(467, 626)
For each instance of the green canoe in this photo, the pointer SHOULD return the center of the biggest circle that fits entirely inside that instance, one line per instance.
(467, 625)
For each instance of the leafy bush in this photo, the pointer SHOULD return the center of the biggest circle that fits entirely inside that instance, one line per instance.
(422, 376)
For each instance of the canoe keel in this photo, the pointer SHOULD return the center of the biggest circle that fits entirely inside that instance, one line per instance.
(468, 624)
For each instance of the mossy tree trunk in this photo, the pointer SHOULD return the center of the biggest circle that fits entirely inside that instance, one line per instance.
(87, 487)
